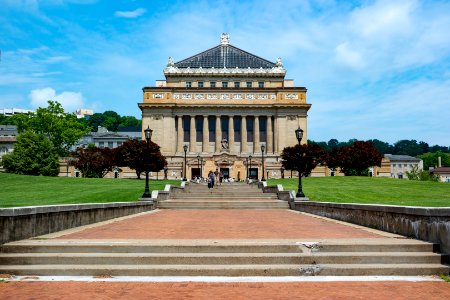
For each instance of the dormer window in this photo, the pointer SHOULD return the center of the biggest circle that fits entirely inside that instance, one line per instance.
(188, 84)
(224, 84)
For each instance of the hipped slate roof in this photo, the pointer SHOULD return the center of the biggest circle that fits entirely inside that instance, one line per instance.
(225, 56)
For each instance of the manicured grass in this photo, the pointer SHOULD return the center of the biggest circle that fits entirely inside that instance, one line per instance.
(19, 190)
(371, 190)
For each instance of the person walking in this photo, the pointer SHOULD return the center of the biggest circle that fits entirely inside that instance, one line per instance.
(210, 181)
(220, 177)
(216, 175)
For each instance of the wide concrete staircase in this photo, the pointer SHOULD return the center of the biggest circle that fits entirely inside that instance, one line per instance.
(225, 196)
(378, 256)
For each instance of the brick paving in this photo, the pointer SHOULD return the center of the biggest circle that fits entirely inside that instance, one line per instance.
(199, 290)
(222, 224)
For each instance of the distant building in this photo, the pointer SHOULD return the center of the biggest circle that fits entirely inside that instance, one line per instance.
(400, 164)
(82, 113)
(8, 135)
(442, 172)
(12, 111)
(104, 138)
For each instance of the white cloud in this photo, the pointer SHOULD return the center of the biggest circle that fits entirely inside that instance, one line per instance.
(348, 57)
(71, 101)
(57, 59)
(130, 14)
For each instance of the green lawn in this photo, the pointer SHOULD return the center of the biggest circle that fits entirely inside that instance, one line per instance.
(371, 190)
(19, 190)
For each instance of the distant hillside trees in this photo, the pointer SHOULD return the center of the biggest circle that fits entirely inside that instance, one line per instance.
(110, 120)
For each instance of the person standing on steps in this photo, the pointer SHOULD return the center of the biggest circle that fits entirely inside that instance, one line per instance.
(210, 181)
(220, 177)
(216, 175)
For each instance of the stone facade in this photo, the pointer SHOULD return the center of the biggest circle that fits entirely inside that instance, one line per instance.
(224, 104)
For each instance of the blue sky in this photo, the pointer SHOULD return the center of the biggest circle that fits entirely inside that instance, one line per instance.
(373, 69)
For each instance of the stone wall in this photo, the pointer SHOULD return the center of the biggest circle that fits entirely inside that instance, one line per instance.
(423, 223)
(25, 222)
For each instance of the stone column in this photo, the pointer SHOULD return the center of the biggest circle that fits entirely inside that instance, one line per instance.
(180, 135)
(269, 143)
(256, 144)
(244, 145)
(218, 135)
(275, 132)
(192, 136)
(231, 133)
(205, 134)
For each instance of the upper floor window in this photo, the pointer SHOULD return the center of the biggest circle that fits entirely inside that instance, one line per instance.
(237, 84)
(101, 145)
(200, 84)
(212, 84)
(188, 84)
(224, 84)
(249, 84)
(110, 145)
(261, 84)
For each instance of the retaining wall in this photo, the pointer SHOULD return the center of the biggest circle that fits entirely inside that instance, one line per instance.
(428, 224)
(24, 222)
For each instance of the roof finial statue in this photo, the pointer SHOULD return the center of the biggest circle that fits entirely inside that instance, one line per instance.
(170, 62)
(279, 63)
(224, 39)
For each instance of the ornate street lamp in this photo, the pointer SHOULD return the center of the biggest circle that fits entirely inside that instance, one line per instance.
(246, 164)
(198, 165)
(299, 136)
(185, 147)
(262, 153)
(148, 136)
(250, 168)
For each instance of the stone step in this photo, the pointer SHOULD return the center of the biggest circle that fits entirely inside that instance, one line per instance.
(222, 205)
(218, 258)
(378, 245)
(227, 270)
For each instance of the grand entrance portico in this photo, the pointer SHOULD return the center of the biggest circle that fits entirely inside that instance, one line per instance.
(224, 104)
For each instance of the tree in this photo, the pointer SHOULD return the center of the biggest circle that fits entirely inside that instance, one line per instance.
(431, 159)
(309, 155)
(63, 130)
(129, 121)
(422, 175)
(354, 159)
(408, 147)
(133, 153)
(94, 162)
(382, 147)
(33, 154)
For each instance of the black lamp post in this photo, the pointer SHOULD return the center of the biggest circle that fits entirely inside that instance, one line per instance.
(299, 136)
(185, 147)
(246, 164)
(148, 136)
(262, 153)
(250, 168)
(282, 172)
(198, 165)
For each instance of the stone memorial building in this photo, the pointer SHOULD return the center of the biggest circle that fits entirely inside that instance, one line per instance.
(224, 104)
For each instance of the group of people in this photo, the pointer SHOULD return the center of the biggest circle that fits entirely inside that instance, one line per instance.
(216, 177)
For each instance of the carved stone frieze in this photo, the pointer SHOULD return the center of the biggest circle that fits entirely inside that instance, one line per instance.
(291, 96)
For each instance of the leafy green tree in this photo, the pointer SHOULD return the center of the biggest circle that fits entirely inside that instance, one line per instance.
(408, 147)
(431, 159)
(382, 147)
(33, 154)
(63, 130)
(422, 175)
(133, 154)
(309, 157)
(94, 162)
(129, 121)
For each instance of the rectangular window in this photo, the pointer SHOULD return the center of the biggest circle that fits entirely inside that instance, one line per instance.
(212, 84)
(261, 84)
(237, 84)
(119, 144)
(188, 84)
(110, 145)
(249, 84)
(101, 145)
(200, 84)
(224, 84)
(186, 128)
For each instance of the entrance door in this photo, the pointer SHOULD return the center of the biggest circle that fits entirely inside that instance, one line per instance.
(253, 173)
(195, 173)
(226, 172)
